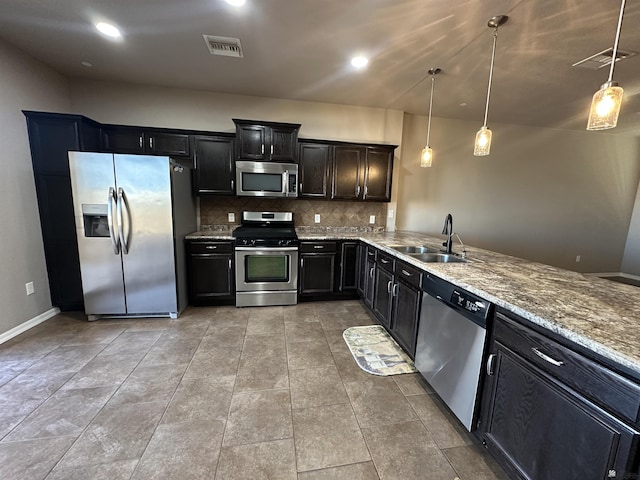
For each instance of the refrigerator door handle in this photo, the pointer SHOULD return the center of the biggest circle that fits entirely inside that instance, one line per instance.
(112, 231)
(122, 200)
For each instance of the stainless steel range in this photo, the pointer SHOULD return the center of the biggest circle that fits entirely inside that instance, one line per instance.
(266, 247)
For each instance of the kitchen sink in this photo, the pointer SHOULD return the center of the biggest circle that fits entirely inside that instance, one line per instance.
(414, 250)
(438, 258)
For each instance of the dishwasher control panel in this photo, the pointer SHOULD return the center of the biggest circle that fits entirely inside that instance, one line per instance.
(469, 302)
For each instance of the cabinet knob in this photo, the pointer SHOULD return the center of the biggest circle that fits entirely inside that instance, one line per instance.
(151, 143)
(140, 141)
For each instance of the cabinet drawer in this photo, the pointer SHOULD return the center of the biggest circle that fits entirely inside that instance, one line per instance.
(210, 248)
(318, 247)
(371, 254)
(408, 273)
(386, 261)
(604, 387)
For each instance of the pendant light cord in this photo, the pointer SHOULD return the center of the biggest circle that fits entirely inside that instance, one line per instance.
(433, 81)
(493, 56)
(615, 42)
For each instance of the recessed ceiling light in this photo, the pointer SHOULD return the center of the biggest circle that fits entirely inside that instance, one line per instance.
(236, 3)
(359, 61)
(108, 30)
(86, 64)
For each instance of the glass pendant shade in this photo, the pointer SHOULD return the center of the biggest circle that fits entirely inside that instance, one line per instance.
(427, 157)
(605, 107)
(483, 142)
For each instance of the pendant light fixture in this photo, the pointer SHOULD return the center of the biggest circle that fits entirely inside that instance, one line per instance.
(482, 145)
(427, 153)
(607, 101)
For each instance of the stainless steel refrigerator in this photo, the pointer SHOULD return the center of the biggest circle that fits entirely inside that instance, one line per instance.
(132, 213)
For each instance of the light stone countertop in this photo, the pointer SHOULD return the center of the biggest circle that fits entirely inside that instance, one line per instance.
(600, 315)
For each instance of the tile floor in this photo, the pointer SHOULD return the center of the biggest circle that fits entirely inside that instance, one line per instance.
(220, 393)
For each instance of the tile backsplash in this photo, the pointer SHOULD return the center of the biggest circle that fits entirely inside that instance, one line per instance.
(350, 216)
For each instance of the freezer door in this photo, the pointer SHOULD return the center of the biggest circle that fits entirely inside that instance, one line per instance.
(93, 187)
(146, 233)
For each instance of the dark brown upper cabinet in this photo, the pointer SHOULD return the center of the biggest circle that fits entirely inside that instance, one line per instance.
(314, 170)
(362, 172)
(266, 141)
(124, 139)
(213, 164)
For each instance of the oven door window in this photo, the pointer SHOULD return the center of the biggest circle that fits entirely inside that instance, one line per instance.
(266, 268)
(262, 182)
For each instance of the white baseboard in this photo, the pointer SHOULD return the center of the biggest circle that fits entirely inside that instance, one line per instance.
(23, 327)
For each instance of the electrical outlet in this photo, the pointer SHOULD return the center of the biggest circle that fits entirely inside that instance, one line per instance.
(316, 218)
(231, 217)
(29, 288)
(577, 258)
(372, 219)
(390, 213)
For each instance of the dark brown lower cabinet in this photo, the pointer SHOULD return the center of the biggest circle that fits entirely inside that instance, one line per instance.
(348, 281)
(211, 272)
(383, 293)
(317, 268)
(540, 429)
(405, 311)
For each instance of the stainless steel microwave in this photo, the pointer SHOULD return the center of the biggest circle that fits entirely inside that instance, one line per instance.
(266, 179)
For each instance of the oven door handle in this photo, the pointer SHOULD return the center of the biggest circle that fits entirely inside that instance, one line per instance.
(266, 249)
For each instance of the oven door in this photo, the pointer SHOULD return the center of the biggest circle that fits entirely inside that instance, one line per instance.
(266, 269)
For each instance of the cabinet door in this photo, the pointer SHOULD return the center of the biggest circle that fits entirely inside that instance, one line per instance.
(541, 430)
(211, 277)
(51, 138)
(283, 146)
(123, 140)
(214, 165)
(317, 272)
(252, 142)
(347, 172)
(170, 144)
(382, 297)
(348, 267)
(370, 278)
(377, 175)
(406, 311)
(314, 170)
(362, 269)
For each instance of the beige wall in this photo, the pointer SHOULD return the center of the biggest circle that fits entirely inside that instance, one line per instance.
(543, 194)
(26, 85)
(631, 259)
(191, 109)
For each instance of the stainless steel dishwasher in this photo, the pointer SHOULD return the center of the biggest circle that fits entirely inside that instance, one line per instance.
(450, 345)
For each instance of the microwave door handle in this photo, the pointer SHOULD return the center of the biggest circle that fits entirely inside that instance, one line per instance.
(285, 181)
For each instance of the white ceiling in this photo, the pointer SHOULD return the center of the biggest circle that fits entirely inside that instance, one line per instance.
(300, 49)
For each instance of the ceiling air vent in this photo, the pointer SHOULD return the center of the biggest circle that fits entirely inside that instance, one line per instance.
(226, 46)
(603, 59)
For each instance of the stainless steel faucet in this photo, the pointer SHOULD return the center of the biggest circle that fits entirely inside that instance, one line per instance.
(448, 231)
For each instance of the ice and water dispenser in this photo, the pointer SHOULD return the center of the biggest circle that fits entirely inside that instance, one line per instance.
(94, 219)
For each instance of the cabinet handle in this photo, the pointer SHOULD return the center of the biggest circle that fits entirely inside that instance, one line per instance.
(490, 360)
(404, 272)
(318, 246)
(384, 261)
(262, 150)
(195, 160)
(271, 149)
(301, 186)
(371, 272)
(366, 188)
(389, 286)
(547, 358)
(140, 141)
(229, 264)
(211, 247)
(395, 290)
(232, 184)
(302, 262)
(357, 190)
(151, 143)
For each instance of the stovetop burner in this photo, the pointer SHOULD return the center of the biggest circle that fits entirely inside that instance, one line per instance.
(266, 229)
